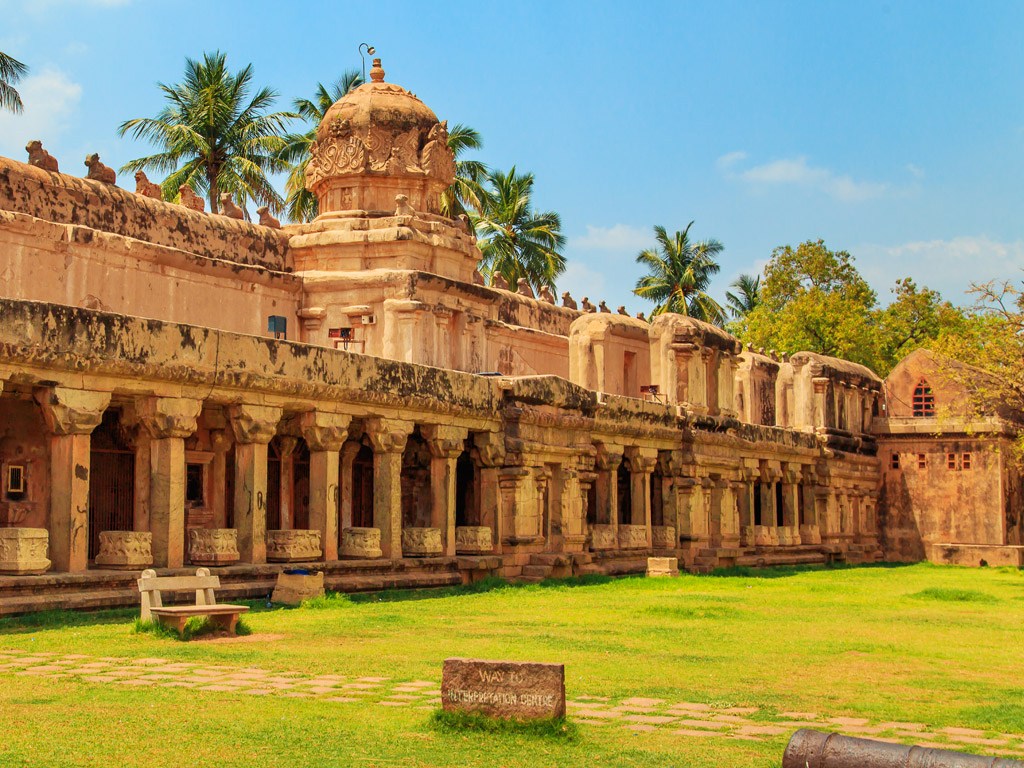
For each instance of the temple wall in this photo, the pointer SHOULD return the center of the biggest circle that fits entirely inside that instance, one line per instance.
(23, 443)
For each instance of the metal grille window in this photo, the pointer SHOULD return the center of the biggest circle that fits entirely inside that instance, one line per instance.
(922, 461)
(924, 400)
(895, 461)
(965, 461)
(950, 461)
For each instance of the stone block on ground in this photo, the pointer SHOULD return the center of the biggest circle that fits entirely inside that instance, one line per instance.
(504, 689)
(293, 588)
(662, 566)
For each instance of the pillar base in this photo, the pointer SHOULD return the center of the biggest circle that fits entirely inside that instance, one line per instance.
(23, 551)
(473, 540)
(602, 537)
(125, 550)
(293, 546)
(213, 546)
(361, 543)
(422, 542)
(632, 537)
(663, 537)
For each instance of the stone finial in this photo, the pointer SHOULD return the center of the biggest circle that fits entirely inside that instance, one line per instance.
(546, 295)
(523, 288)
(464, 220)
(98, 171)
(39, 157)
(377, 73)
(266, 219)
(587, 306)
(603, 307)
(568, 301)
(146, 188)
(402, 207)
(498, 281)
(640, 316)
(228, 207)
(190, 199)
(622, 310)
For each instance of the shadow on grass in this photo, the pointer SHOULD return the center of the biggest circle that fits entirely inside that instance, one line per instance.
(557, 728)
(783, 571)
(489, 584)
(63, 619)
(196, 626)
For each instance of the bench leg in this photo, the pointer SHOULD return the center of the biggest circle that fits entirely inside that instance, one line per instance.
(228, 622)
(175, 622)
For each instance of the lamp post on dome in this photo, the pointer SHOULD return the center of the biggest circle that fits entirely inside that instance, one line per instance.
(370, 50)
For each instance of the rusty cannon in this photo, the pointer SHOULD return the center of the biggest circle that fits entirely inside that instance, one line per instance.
(815, 749)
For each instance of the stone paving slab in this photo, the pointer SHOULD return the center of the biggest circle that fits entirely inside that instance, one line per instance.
(637, 713)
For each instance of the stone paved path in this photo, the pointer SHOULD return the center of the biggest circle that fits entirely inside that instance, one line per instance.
(680, 718)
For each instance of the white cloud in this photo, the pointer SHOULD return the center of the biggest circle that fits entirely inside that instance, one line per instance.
(948, 266)
(50, 98)
(581, 281)
(731, 159)
(916, 171)
(798, 172)
(618, 237)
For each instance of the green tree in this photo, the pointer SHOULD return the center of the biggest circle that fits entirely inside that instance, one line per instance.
(746, 298)
(815, 300)
(300, 203)
(213, 136)
(679, 274)
(467, 190)
(515, 240)
(11, 71)
(914, 319)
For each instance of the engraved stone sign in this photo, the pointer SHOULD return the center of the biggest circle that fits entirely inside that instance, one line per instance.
(505, 689)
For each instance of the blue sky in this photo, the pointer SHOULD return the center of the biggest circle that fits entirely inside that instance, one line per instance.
(893, 130)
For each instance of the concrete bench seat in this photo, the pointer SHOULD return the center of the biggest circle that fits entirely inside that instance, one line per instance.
(151, 586)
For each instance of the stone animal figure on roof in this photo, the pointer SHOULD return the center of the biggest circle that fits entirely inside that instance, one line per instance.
(603, 307)
(266, 219)
(98, 171)
(523, 288)
(190, 199)
(640, 316)
(587, 306)
(39, 157)
(498, 281)
(146, 188)
(568, 301)
(478, 279)
(228, 207)
(546, 295)
(402, 207)
(622, 311)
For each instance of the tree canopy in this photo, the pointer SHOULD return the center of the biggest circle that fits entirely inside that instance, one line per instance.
(215, 137)
(11, 71)
(678, 275)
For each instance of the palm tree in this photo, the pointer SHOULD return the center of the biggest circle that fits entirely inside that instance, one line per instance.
(747, 296)
(679, 275)
(301, 204)
(214, 137)
(515, 240)
(11, 71)
(467, 190)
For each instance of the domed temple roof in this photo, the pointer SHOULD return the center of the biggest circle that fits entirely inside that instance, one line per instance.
(375, 143)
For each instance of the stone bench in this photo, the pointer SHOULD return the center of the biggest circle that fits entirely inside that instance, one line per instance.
(151, 586)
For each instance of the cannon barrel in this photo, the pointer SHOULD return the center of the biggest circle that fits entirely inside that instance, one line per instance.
(815, 749)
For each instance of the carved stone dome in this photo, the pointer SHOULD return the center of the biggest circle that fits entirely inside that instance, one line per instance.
(375, 143)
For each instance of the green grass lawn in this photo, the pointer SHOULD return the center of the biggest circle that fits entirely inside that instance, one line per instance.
(925, 644)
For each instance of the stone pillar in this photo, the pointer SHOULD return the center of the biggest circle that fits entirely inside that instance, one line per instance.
(167, 421)
(324, 434)
(609, 457)
(717, 511)
(388, 438)
(219, 469)
(140, 507)
(819, 402)
(254, 427)
(444, 355)
(446, 445)
(490, 451)
(519, 503)
(71, 415)
(285, 484)
(641, 464)
(349, 451)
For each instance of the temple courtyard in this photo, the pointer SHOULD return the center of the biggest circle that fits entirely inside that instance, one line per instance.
(696, 670)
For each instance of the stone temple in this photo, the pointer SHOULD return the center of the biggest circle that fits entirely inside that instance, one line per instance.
(183, 389)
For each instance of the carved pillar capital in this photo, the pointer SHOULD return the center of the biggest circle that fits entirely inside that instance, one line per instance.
(71, 411)
(609, 456)
(387, 435)
(640, 460)
(164, 417)
(491, 448)
(445, 442)
(254, 423)
(324, 431)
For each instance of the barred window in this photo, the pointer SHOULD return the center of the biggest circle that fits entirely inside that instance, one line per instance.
(924, 400)
(895, 461)
(950, 461)
(965, 461)
(922, 461)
